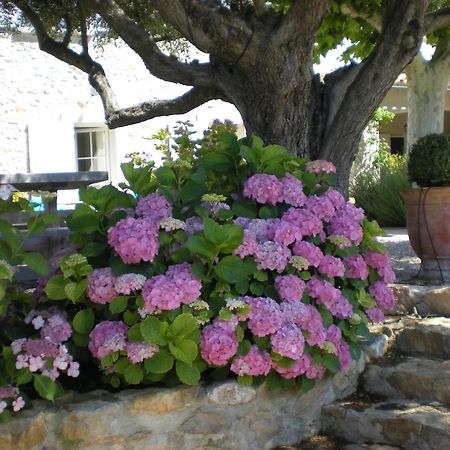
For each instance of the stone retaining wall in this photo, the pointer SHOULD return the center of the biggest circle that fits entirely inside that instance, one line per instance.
(223, 416)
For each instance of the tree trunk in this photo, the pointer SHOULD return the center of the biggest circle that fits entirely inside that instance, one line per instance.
(427, 88)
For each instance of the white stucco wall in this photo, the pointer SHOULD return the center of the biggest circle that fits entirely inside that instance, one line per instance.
(43, 99)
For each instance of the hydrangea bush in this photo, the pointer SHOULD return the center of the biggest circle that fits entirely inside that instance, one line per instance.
(243, 262)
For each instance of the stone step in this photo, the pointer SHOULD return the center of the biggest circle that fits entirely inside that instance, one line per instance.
(426, 300)
(429, 336)
(321, 442)
(414, 378)
(410, 425)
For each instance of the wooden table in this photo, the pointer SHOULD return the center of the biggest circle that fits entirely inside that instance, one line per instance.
(52, 182)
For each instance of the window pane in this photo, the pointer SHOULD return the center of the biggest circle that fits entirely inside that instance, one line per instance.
(84, 165)
(98, 164)
(83, 145)
(98, 143)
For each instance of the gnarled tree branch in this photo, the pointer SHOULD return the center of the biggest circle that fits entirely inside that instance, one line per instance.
(402, 31)
(303, 20)
(158, 64)
(375, 21)
(210, 27)
(148, 110)
(436, 20)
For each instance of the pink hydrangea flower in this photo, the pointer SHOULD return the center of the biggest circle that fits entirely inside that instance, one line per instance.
(356, 267)
(381, 262)
(307, 318)
(335, 197)
(341, 226)
(128, 283)
(56, 328)
(101, 286)
(248, 247)
(44, 356)
(307, 222)
(134, 240)
(350, 212)
(262, 229)
(375, 315)
(52, 323)
(289, 287)
(320, 166)
(18, 404)
(286, 233)
(218, 343)
(299, 368)
(341, 308)
(288, 341)
(323, 291)
(292, 191)
(140, 351)
(344, 355)
(315, 371)
(265, 315)
(264, 188)
(272, 255)
(309, 251)
(193, 225)
(108, 337)
(383, 295)
(254, 363)
(321, 207)
(154, 207)
(169, 291)
(331, 266)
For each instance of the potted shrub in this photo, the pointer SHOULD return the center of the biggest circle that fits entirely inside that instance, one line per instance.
(428, 205)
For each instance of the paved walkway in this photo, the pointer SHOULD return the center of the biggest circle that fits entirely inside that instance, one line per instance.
(404, 261)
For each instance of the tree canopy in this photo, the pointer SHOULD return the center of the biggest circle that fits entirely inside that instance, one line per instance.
(260, 58)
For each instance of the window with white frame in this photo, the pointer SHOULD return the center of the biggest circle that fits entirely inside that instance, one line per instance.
(91, 148)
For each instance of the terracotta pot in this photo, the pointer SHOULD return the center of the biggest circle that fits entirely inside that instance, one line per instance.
(428, 221)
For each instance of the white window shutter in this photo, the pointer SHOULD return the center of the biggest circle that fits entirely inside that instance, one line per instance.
(51, 147)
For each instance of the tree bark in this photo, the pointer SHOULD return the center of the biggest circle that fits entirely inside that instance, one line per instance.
(427, 89)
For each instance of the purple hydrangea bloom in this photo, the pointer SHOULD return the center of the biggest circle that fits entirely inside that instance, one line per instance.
(134, 240)
(128, 283)
(356, 267)
(331, 266)
(218, 343)
(140, 351)
(375, 315)
(265, 315)
(288, 341)
(289, 287)
(292, 191)
(107, 337)
(169, 291)
(154, 207)
(309, 251)
(254, 363)
(321, 207)
(299, 368)
(319, 166)
(272, 255)
(101, 286)
(286, 233)
(383, 295)
(307, 222)
(264, 188)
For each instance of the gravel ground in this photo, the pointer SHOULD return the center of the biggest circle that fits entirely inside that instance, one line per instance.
(403, 259)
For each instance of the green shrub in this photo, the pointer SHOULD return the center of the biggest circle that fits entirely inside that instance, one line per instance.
(429, 160)
(378, 191)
